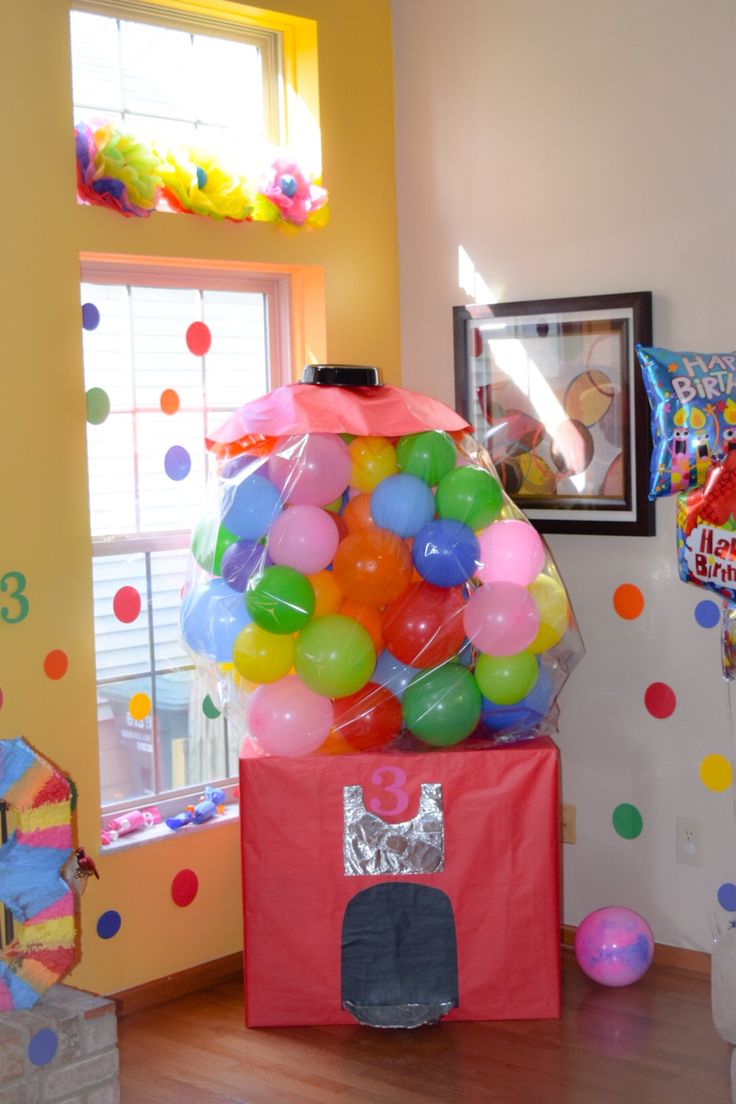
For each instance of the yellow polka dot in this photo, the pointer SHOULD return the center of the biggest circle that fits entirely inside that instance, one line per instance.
(715, 772)
(139, 706)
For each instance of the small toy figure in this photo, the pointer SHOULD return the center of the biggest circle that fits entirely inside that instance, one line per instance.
(211, 802)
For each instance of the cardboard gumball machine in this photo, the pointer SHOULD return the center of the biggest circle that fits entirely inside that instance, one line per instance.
(391, 634)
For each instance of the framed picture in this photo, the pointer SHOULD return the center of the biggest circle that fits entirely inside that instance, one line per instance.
(552, 389)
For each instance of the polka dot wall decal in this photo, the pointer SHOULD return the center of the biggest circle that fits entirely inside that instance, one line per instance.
(628, 601)
(715, 772)
(660, 700)
(90, 316)
(627, 821)
(198, 338)
(169, 401)
(707, 614)
(126, 605)
(98, 406)
(727, 896)
(109, 924)
(184, 888)
(139, 706)
(177, 463)
(56, 664)
(209, 708)
(42, 1047)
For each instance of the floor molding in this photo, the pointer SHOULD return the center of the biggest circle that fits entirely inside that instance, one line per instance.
(684, 958)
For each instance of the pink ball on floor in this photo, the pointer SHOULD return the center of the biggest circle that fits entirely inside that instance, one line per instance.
(614, 946)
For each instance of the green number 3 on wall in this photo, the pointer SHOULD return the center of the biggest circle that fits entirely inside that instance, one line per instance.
(13, 583)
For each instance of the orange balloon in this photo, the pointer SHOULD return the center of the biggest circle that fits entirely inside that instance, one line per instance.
(335, 744)
(369, 617)
(357, 513)
(328, 594)
(373, 566)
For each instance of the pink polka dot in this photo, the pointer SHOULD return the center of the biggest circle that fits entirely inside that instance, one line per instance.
(198, 338)
(184, 888)
(126, 604)
(660, 700)
(2, 699)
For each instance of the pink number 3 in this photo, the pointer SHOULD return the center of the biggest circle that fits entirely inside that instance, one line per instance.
(400, 796)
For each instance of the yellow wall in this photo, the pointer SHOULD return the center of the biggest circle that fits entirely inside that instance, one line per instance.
(43, 494)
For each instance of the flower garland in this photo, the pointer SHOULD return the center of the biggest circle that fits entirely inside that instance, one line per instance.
(116, 170)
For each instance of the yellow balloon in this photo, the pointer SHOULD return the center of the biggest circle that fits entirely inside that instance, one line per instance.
(554, 610)
(261, 656)
(328, 595)
(374, 458)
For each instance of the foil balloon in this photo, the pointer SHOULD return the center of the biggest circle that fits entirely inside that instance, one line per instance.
(706, 531)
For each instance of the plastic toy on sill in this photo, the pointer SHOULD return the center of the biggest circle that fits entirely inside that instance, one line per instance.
(212, 801)
(131, 821)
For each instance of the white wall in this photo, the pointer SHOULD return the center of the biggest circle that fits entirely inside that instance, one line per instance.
(578, 147)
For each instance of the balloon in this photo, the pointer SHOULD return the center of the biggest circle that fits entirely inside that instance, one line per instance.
(394, 675)
(470, 495)
(210, 541)
(506, 679)
(501, 618)
(334, 656)
(310, 470)
(303, 537)
(373, 459)
(357, 513)
(403, 504)
(328, 595)
(554, 612)
(614, 946)
(261, 656)
(281, 601)
(442, 706)
(370, 617)
(211, 617)
(425, 626)
(249, 507)
(525, 714)
(373, 566)
(428, 455)
(370, 718)
(335, 744)
(511, 551)
(241, 561)
(445, 553)
(287, 718)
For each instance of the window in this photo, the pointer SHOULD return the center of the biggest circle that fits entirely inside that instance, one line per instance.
(169, 352)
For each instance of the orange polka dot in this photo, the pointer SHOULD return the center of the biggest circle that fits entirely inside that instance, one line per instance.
(628, 601)
(139, 706)
(56, 664)
(169, 401)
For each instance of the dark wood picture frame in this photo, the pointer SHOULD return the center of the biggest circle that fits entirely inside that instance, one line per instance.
(568, 433)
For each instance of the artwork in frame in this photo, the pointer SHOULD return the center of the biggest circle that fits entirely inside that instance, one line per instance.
(552, 389)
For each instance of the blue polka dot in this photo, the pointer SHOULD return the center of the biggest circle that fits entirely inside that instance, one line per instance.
(727, 896)
(108, 924)
(177, 463)
(90, 316)
(707, 614)
(42, 1047)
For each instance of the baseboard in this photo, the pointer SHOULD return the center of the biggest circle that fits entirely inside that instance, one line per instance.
(698, 962)
(160, 990)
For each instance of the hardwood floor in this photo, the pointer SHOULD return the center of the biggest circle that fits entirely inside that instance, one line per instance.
(650, 1043)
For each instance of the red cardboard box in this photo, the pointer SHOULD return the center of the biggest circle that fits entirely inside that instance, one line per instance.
(371, 880)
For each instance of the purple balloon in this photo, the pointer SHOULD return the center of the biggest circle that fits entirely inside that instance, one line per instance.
(242, 560)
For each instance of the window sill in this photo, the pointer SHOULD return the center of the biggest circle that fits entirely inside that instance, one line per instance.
(160, 832)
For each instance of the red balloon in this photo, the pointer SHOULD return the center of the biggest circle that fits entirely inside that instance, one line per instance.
(369, 718)
(425, 626)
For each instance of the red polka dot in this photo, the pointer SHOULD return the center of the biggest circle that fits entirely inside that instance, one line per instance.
(56, 664)
(169, 401)
(198, 338)
(2, 699)
(660, 700)
(184, 888)
(126, 604)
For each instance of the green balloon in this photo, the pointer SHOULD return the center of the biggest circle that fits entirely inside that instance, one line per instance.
(469, 495)
(505, 680)
(442, 705)
(210, 542)
(335, 656)
(281, 600)
(428, 455)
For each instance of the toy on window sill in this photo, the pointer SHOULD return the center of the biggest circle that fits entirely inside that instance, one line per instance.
(130, 822)
(211, 802)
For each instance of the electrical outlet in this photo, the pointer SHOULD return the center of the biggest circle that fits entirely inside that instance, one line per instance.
(569, 829)
(688, 841)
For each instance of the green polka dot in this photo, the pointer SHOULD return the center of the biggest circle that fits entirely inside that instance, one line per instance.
(209, 708)
(98, 405)
(627, 821)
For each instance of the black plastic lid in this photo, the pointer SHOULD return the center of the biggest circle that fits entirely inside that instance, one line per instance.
(342, 375)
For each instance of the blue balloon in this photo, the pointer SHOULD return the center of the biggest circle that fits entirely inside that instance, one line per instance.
(211, 617)
(446, 552)
(392, 674)
(403, 504)
(249, 507)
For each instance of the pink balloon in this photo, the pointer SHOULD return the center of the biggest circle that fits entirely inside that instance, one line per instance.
(310, 470)
(303, 537)
(501, 619)
(287, 718)
(510, 552)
